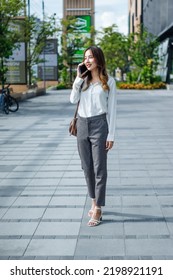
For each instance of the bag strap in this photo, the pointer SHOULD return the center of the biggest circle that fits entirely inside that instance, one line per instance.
(75, 114)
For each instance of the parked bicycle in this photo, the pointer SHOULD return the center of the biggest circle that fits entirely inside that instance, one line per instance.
(8, 102)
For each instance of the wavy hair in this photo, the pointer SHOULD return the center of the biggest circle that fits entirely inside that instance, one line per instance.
(101, 66)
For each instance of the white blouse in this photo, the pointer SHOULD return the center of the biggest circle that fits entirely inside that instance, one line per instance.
(95, 101)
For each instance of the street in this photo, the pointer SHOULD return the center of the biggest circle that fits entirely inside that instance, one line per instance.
(43, 195)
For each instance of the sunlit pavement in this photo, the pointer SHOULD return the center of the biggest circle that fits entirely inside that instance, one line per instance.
(43, 196)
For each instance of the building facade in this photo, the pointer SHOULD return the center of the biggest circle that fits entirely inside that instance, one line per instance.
(79, 8)
(156, 16)
(135, 14)
(83, 11)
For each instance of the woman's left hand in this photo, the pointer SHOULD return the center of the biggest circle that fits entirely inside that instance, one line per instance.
(109, 145)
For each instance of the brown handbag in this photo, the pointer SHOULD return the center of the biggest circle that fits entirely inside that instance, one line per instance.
(73, 123)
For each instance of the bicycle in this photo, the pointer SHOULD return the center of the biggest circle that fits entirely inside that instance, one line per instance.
(8, 102)
(3, 103)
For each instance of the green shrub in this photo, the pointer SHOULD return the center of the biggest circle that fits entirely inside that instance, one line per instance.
(61, 86)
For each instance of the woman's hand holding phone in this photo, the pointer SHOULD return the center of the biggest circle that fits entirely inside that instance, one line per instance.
(82, 70)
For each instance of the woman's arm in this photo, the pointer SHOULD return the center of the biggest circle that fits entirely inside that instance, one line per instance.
(112, 109)
(76, 89)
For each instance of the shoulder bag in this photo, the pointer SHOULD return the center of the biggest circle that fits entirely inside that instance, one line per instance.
(73, 123)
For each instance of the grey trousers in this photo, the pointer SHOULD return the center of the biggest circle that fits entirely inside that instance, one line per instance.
(91, 139)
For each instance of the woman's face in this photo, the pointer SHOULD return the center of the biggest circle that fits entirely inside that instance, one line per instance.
(90, 61)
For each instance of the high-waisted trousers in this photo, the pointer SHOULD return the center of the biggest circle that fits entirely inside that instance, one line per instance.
(91, 140)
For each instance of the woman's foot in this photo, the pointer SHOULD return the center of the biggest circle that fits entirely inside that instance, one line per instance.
(96, 217)
(91, 211)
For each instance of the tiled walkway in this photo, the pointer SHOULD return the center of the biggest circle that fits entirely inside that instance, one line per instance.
(43, 197)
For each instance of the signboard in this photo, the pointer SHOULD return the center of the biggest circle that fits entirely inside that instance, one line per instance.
(81, 31)
(48, 67)
(16, 63)
(83, 24)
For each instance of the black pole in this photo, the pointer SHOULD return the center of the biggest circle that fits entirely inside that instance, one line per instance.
(29, 50)
(44, 57)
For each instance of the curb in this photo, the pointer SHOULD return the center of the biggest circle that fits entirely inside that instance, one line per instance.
(29, 94)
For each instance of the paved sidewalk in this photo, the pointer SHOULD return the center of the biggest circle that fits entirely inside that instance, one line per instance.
(43, 198)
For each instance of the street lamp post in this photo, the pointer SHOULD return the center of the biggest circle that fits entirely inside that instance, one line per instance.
(44, 57)
(29, 50)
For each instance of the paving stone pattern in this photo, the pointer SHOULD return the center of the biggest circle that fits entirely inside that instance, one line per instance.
(43, 196)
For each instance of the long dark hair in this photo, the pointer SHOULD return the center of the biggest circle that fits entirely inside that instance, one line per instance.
(101, 65)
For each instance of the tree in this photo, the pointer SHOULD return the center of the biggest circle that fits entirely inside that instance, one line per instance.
(143, 51)
(115, 47)
(73, 42)
(36, 34)
(9, 9)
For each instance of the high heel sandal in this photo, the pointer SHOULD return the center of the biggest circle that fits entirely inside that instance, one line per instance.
(95, 222)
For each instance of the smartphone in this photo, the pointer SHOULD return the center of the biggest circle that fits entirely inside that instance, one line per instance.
(82, 70)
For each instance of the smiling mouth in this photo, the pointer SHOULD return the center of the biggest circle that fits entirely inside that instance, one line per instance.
(88, 65)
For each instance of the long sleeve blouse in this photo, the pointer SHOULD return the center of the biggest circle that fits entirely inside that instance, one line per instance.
(95, 101)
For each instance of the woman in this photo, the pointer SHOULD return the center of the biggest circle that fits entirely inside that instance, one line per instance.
(95, 126)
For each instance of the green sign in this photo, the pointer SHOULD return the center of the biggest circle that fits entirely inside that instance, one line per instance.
(81, 31)
(82, 24)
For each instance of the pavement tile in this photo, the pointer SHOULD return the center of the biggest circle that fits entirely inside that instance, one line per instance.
(149, 247)
(32, 191)
(67, 200)
(17, 228)
(140, 200)
(133, 173)
(57, 162)
(58, 228)
(170, 226)
(113, 201)
(2, 212)
(53, 168)
(32, 201)
(55, 247)
(13, 247)
(168, 212)
(3, 174)
(73, 174)
(10, 190)
(15, 182)
(24, 168)
(20, 175)
(162, 181)
(7, 201)
(63, 213)
(38, 162)
(24, 213)
(113, 181)
(148, 228)
(100, 248)
(72, 182)
(49, 174)
(165, 200)
(7, 168)
(161, 173)
(142, 213)
(112, 214)
(135, 181)
(44, 182)
(65, 190)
